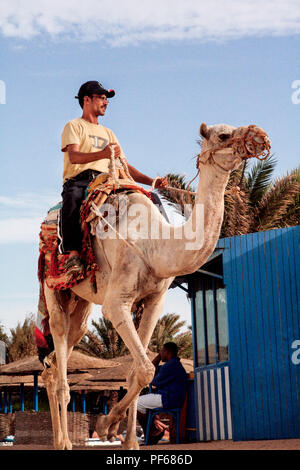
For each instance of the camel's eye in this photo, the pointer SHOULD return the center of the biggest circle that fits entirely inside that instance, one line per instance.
(224, 137)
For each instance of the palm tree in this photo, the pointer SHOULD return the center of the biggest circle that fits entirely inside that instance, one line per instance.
(167, 329)
(91, 345)
(103, 342)
(3, 335)
(22, 341)
(177, 197)
(255, 202)
(184, 342)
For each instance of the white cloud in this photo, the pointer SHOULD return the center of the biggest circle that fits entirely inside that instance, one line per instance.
(122, 22)
(28, 201)
(19, 230)
(21, 216)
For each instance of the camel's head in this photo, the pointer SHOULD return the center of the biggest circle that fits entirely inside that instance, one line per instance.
(228, 146)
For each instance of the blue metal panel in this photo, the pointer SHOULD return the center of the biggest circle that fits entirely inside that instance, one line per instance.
(260, 274)
(232, 278)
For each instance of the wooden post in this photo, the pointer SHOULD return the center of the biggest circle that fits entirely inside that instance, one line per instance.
(105, 404)
(9, 402)
(83, 402)
(73, 401)
(36, 390)
(22, 406)
(5, 402)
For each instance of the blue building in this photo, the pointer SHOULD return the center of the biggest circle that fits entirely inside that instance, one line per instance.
(245, 305)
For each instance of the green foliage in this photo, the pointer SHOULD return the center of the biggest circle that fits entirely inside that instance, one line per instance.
(259, 179)
(167, 329)
(262, 202)
(254, 201)
(22, 341)
(105, 342)
(3, 335)
(176, 197)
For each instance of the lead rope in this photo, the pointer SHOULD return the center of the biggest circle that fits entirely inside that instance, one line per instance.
(97, 212)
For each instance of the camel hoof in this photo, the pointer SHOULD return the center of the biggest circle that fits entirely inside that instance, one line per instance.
(58, 442)
(68, 445)
(131, 445)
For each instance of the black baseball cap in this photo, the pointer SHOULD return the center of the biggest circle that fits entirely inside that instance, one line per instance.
(93, 87)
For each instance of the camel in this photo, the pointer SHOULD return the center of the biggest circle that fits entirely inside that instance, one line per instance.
(143, 269)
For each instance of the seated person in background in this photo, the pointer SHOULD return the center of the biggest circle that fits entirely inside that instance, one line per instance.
(170, 381)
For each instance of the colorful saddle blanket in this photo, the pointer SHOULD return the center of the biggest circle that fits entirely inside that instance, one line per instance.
(51, 261)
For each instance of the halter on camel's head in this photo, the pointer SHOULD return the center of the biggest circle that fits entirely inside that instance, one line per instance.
(244, 142)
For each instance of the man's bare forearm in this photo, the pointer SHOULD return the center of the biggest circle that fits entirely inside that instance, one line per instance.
(138, 176)
(81, 157)
(76, 156)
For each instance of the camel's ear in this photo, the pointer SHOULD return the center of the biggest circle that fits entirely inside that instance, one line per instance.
(204, 131)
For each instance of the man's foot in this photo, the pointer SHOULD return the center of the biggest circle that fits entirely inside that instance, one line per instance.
(73, 265)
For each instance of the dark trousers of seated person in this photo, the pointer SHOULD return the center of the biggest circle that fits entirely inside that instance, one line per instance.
(72, 196)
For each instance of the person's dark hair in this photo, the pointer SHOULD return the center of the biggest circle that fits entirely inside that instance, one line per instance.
(172, 348)
(80, 99)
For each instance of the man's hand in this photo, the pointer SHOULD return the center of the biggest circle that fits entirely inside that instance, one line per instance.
(161, 183)
(107, 151)
(156, 360)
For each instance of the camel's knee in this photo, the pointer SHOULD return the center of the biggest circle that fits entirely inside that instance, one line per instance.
(143, 375)
(63, 394)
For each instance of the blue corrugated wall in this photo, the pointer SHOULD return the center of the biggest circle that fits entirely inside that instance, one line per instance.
(261, 274)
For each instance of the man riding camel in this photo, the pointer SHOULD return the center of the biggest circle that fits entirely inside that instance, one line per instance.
(87, 147)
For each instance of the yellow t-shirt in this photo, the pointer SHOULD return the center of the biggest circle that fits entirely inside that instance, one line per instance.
(90, 138)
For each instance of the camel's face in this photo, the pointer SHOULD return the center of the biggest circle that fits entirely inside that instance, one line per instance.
(214, 136)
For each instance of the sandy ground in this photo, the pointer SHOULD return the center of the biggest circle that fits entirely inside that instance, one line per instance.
(283, 444)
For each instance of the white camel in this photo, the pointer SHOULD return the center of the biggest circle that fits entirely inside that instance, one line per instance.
(128, 275)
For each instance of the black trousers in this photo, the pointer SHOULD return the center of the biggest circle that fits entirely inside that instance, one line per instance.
(72, 197)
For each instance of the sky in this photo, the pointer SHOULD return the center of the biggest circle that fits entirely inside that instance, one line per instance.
(173, 66)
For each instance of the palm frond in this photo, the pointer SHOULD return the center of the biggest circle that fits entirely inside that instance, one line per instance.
(259, 178)
(272, 209)
(175, 197)
(292, 215)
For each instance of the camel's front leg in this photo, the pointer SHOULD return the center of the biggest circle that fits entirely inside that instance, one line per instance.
(153, 307)
(107, 426)
(143, 370)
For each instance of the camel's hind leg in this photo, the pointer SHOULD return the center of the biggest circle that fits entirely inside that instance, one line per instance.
(67, 330)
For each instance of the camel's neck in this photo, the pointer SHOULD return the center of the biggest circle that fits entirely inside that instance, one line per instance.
(190, 245)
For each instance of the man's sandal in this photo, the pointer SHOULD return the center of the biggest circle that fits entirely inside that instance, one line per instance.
(73, 265)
